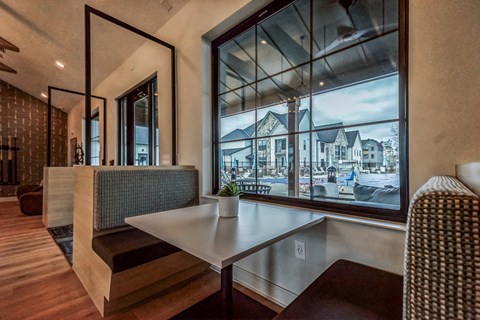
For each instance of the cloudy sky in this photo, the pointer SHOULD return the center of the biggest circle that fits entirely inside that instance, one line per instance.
(370, 101)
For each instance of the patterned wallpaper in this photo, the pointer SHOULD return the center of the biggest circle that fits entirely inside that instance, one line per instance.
(25, 117)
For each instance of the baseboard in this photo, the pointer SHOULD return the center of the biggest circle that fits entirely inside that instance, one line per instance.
(8, 199)
(261, 286)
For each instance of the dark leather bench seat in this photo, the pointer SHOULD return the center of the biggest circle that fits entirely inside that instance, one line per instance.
(350, 291)
(127, 249)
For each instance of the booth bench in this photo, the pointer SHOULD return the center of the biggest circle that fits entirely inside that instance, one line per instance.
(441, 275)
(117, 264)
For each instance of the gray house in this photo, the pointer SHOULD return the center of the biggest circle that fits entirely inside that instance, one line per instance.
(372, 154)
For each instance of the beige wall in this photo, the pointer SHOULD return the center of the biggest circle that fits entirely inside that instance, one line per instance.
(444, 90)
(443, 103)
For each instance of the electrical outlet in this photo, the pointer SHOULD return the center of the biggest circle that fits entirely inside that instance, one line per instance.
(300, 249)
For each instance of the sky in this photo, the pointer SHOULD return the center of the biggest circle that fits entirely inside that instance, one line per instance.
(369, 101)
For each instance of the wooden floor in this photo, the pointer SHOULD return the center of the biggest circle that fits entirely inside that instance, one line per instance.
(36, 282)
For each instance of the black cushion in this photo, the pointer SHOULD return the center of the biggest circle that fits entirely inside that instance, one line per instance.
(350, 291)
(127, 249)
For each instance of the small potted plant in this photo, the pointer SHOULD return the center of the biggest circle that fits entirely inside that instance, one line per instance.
(228, 198)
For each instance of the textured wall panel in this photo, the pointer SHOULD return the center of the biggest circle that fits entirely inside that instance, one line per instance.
(25, 117)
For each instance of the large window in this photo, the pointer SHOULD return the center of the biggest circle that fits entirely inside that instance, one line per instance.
(309, 103)
(138, 125)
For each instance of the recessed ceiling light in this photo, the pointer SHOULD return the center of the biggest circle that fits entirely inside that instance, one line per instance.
(44, 95)
(263, 41)
(59, 64)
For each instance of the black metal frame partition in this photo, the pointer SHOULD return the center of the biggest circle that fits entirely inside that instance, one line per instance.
(88, 75)
(49, 122)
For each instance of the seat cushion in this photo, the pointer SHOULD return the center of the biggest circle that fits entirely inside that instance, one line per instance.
(348, 290)
(127, 249)
(388, 194)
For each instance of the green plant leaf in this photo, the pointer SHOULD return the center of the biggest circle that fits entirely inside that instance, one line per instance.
(231, 189)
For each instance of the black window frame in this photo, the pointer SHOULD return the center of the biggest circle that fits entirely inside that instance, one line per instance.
(149, 84)
(399, 215)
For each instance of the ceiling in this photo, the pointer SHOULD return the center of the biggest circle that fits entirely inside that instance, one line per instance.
(47, 31)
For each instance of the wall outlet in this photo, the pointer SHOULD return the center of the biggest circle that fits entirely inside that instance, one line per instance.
(300, 249)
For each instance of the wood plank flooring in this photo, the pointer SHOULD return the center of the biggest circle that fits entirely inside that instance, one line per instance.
(36, 282)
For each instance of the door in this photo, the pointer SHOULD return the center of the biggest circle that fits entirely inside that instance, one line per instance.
(138, 125)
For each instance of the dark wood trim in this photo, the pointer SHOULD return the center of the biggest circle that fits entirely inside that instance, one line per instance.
(298, 66)
(151, 127)
(356, 210)
(119, 133)
(130, 134)
(128, 27)
(88, 88)
(135, 87)
(174, 106)
(49, 130)
(258, 16)
(130, 98)
(90, 10)
(74, 92)
(371, 212)
(403, 104)
(104, 144)
(215, 126)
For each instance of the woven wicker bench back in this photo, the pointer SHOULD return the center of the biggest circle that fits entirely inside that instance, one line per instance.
(442, 258)
(126, 193)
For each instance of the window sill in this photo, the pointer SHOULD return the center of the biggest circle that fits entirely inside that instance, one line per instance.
(391, 225)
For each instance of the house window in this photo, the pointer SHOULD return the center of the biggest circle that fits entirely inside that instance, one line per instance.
(372, 156)
(280, 145)
(292, 73)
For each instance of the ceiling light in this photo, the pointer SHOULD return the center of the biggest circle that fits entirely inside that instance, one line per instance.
(44, 95)
(59, 64)
(263, 41)
(322, 83)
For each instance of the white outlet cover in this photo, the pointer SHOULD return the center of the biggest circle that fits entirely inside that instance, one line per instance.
(300, 249)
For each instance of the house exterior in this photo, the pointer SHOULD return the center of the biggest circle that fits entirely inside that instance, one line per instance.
(332, 145)
(372, 154)
(354, 147)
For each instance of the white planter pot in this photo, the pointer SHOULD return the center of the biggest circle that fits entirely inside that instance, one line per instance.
(228, 206)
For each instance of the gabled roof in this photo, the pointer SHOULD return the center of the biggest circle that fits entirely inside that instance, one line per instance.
(283, 117)
(249, 131)
(373, 141)
(229, 152)
(351, 137)
(236, 134)
(328, 136)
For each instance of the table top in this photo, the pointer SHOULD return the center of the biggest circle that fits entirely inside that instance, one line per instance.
(200, 231)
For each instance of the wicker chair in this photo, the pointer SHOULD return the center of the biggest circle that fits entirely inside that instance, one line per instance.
(442, 258)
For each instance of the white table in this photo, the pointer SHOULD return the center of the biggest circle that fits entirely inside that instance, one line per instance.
(220, 241)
